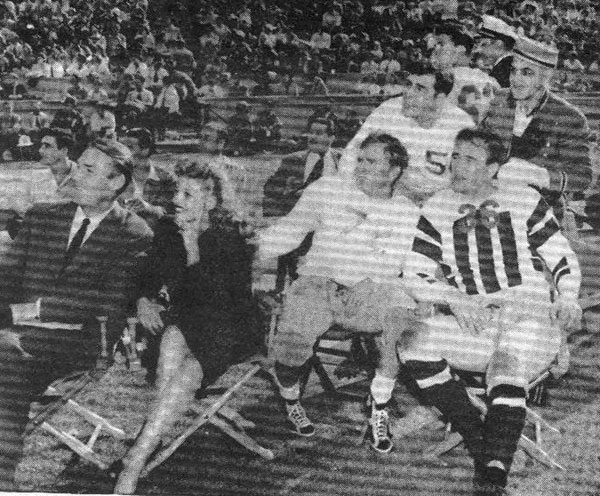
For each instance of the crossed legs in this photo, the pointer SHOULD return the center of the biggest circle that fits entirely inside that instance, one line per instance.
(179, 375)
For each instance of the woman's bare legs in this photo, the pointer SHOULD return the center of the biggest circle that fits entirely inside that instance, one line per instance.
(179, 375)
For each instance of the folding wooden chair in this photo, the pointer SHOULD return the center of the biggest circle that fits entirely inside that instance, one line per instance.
(63, 391)
(223, 418)
(476, 391)
(358, 353)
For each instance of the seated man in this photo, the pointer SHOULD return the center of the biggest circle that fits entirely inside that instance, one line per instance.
(481, 234)
(150, 193)
(351, 273)
(70, 262)
(50, 184)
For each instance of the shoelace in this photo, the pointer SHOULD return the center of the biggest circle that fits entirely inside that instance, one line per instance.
(380, 424)
(298, 416)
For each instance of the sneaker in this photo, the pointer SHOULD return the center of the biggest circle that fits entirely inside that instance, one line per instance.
(300, 423)
(381, 439)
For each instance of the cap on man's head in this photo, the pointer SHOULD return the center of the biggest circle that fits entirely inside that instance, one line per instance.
(537, 52)
(492, 27)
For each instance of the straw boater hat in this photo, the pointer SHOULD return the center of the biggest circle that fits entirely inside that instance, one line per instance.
(536, 52)
(492, 27)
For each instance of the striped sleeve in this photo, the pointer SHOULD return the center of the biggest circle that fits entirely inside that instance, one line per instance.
(424, 263)
(547, 242)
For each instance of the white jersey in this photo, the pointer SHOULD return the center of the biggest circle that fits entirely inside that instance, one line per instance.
(496, 246)
(355, 236)
(429, 150)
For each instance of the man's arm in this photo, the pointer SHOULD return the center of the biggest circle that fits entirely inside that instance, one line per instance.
(109, 288)
(546, 240)
(279, 190)
(289, 231)
(573, 170)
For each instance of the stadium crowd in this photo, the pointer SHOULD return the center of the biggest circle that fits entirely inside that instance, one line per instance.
(369, 224)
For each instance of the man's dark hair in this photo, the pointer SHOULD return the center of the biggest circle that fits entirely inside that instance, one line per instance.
(328, 123)
(397, 151)
(145, 138)
(444, 81)
(63, 140)
(121, 159)
(491, 141)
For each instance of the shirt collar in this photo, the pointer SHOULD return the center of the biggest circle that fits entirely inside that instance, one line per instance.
(94, 222)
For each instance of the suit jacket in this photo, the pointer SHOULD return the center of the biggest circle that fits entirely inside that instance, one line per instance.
(283, 189)
(100, 280)
(501, 71)
(159, 190)
(556, 139)
(210, 301)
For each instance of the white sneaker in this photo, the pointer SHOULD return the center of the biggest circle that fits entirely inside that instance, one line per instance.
(300, 423)
(381, 439)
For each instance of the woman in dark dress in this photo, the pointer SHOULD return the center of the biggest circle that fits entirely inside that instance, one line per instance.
(197, 293)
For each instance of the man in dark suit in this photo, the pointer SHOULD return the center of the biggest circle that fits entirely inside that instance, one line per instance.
(283, 189)
(495, 44)
(540, 127)
(69, 263)
(150, 193)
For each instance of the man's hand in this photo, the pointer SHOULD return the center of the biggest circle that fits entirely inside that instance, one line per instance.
(148, 313)
(140, 206)
(471, 313)
(567, 313)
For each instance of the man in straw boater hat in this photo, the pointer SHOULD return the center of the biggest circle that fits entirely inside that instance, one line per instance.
(495, 43)
(539, 127)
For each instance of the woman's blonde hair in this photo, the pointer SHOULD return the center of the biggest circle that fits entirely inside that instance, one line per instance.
(228, 212)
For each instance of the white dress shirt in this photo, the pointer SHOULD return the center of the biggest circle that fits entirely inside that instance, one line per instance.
(94, 222)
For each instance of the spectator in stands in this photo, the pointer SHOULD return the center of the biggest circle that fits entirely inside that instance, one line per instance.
(239, 130)
(150, 193)
(287, 86)
(157, 72)
(317, 86)
(267, 130)
(426, 123)
(296, 172)
(10, 124)
(496, 41)
(102, 124)
(33, 123)
(594, 67)
(320, 40)
(70, 120)
(572, 63)
(172, 32)
(76, 89)
(538, 126)
(183, 57)
(370, 65)
(42, 279)
(348, 127)
(138, 102)
(97, 91)
(166, 108)
(389, 65)
(332, 18)
(137, 67)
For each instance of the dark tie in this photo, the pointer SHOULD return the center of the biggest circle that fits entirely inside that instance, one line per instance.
(316, 172)
(76, 242)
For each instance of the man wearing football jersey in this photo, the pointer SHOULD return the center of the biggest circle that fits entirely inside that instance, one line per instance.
(350, 275)
(490, 240)
(426, 123)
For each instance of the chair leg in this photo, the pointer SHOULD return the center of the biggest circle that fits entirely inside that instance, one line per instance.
(242, 438)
